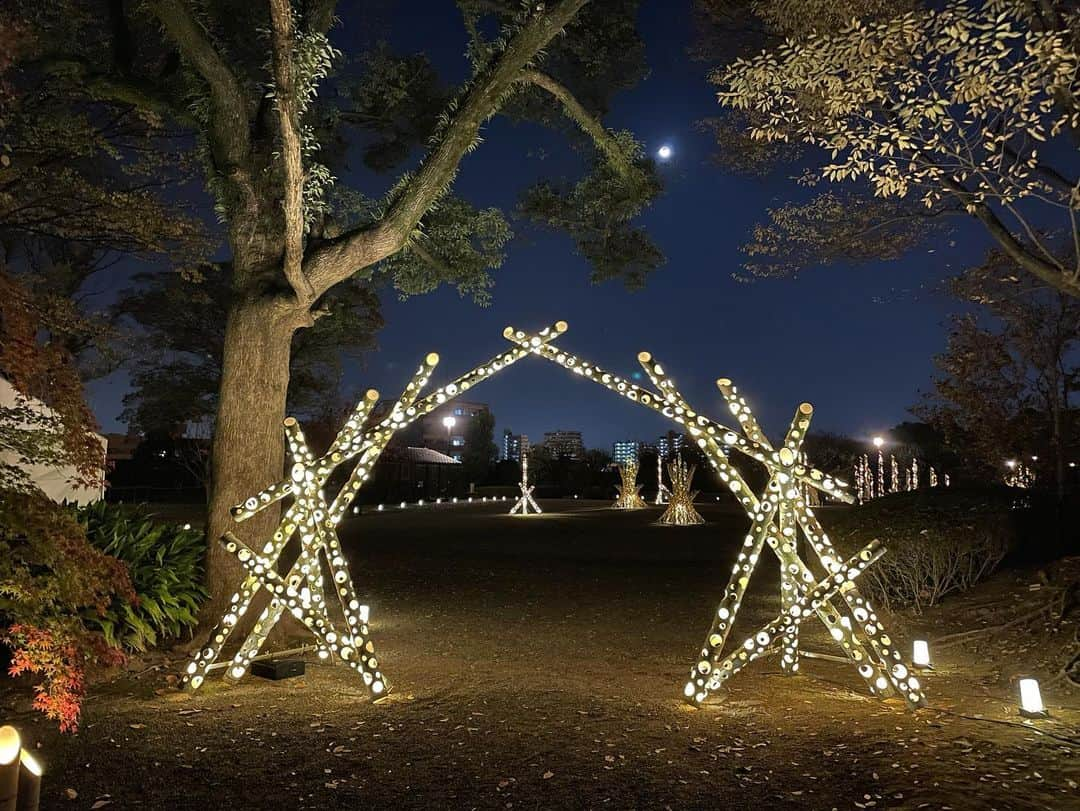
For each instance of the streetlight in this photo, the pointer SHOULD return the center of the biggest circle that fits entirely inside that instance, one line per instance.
(449, 423)
(878, 441)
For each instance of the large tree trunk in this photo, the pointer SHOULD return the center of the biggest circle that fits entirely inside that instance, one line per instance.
(248, 449)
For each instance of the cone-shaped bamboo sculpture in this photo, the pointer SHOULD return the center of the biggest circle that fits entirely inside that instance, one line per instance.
(629, 497)
(680, 511)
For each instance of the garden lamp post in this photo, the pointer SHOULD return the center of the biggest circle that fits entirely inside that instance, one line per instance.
(449, 422)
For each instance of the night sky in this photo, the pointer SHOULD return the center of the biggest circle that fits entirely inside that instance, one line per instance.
(856, 342)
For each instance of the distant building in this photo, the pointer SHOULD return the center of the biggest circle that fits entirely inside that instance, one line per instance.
(514, 445)
(625, 451)
(434, 432)
(670, 444)
(411, 474)
(564, 443)
(121, 447)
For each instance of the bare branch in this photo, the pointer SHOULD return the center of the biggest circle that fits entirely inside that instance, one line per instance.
(229, 133)
(293, 197)
(1013, 248)
(589, 123)
(122, 90)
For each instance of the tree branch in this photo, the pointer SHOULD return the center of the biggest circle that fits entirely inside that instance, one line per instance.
(590, 124)
(1012, 247)
(293, 198)
(229, 128)
(122, 90)
(430, 259)
(338, 259)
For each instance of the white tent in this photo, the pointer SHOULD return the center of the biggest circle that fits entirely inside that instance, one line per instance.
(54, 481)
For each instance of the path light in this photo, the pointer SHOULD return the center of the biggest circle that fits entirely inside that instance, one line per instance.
(29, 783)
(9, 766)
(187, 526)
(920, 655)
(1031, 704)
(420, 503)
(364, 612)
(455, 501)
(380, 508)
(402, 505)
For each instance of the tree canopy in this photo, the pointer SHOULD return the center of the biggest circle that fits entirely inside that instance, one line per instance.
(929, 110)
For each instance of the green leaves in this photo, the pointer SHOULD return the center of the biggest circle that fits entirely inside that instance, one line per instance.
(165, 563)
(398, 98)
(597, 212)
(458, 245)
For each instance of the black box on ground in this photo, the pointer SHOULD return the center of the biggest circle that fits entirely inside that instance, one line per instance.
(277, 669)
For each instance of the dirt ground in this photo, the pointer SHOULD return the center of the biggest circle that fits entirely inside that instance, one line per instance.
(538, 663)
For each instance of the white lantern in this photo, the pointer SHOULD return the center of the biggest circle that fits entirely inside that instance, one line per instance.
(1031, 705)
(920, 655)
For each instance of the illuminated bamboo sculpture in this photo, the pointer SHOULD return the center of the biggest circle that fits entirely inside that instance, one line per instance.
(662, 492)
(629, 496)
(522, 505)
(777, 517)
(680, 511)
(302, 590)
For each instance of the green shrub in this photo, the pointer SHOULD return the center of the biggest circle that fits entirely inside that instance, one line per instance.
(165, 562)
(937, 541)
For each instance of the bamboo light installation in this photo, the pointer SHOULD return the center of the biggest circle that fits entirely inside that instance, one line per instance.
(526, 499)
(680, 511)
(776, 516)
(629, 496)
(662, 491)
(310, 518)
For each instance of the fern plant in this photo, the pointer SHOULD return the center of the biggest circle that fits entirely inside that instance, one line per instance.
(165, 563)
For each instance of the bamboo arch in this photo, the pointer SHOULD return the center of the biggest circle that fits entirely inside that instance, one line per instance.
(777, 517)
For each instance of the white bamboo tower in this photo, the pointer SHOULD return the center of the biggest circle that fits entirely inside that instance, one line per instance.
(662, 491)
(522, 504)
